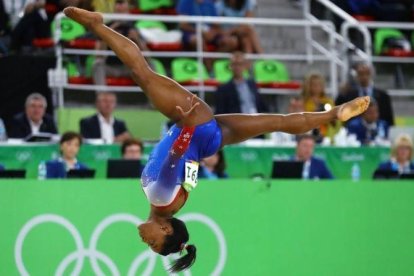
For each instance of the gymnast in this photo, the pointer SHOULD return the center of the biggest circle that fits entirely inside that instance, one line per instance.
(172, 166)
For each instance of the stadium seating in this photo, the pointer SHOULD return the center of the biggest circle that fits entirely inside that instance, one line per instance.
(363, 17)
(381, 37)
(273, 74)
(185, 71)
(158, 67)
(71, 33)
(222, 71)
(74, 75)
(154, 7)
(158, 29)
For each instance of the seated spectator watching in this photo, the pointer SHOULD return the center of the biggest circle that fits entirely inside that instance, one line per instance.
(401, 156)
(213, 167)
(247, 35)
(239, 95)
(4, 30)
(132, 149)
(368, 128)
(213, 34)
(34, 120)
(111, 65)
(103, 125)
(3, 133)
(70, 143)
(313, 168)
(315, 99)
(364, 86)
(33, 24)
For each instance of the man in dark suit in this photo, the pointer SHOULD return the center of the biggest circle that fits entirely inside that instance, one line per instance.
(239, 95)
(364, 86)
(34, 120)
(313, 168)
(103, 125)
(368, 128)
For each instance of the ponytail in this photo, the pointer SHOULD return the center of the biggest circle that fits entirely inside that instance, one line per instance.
(176, 242)
(185, 261)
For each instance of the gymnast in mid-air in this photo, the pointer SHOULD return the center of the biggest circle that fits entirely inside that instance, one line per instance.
(172, 166)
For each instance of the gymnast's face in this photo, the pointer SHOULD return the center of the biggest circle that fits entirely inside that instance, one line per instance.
(154, 233)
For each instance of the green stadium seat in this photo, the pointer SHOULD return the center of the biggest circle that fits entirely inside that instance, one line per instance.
(185, 70)
(273, 74)
(71, 31)
(90, 60)
(72, 69)
(158, 66)
(381, 35)
(150, 5)
(222, 71)
(150, 24)
(74, 76)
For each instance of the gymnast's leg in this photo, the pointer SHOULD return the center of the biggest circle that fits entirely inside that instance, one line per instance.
(239, 127)
(164, 93)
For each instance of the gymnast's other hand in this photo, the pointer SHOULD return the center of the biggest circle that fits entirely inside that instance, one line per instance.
(187, 117)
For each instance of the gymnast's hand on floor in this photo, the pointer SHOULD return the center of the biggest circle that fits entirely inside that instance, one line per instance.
(187, 117)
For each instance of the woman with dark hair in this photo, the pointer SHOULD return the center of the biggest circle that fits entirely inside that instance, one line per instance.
(70, 143)
(172, 167)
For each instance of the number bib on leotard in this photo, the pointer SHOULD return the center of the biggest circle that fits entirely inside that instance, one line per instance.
(191, 175)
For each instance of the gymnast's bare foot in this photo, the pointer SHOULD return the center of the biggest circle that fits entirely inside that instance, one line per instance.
(84, 17)
(353, 108)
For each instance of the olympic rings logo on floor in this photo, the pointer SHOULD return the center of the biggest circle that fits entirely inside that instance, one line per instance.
(95, 255)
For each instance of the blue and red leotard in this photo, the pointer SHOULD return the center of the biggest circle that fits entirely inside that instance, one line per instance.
(164, 173)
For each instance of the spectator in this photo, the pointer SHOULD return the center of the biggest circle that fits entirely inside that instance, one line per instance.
(315, 99)
(314, 95)
(250, 42)
(313, 168)
(132, 149)
(4, 30)
(213, 167)
(239, 95)
(33, 24)
(111, 65)
(70, 143)
(3, 133)
(103, 125)
(364, 86)
(34, 120)
(107, 6)
(213, 34)
(368, 128)
(401, 156)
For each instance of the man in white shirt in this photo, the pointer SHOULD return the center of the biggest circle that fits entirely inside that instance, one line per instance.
(103, 125)
(34, 120)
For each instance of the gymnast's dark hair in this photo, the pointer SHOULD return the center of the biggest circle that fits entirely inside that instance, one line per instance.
(174, 243)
